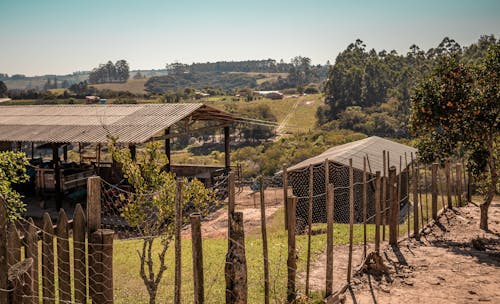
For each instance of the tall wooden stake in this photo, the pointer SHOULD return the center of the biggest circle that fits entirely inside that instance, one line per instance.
(178, 257)
(285, 195)
(394, 207)
(434, 190)
(197, 252)
(309, 228)
(459, 184)
(351, 219)
(448, 185)
(329, 239)
(415, 204)
(292, 253)
(384, 196)
(264, 240)
(364, 207)
(377, 212)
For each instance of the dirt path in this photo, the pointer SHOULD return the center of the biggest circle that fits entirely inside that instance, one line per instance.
(248, 202)
(444, 267)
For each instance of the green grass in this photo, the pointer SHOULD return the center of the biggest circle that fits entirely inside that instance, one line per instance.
(134, 86)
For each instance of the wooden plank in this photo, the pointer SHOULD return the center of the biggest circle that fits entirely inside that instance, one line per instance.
(31, 238)
(329, 239)
(227, 148)
(107, 266)
(434, 190)
(265, 252)
(63, 257)
(95, 267)
(48, 273)
(351, 219)
(4, 267)
(13, 245)
(93, 204)
(177, 244)
(309, 226)
(79, 255)
(292, 252)
(197, 251)
(20, 277)
(393, 207)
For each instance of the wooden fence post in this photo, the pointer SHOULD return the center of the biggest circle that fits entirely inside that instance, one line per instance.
(21, 280)
(393, 206)
(351, 219)
(459, 184)
(48, 260)
(80, 274)
(364, 201)
(4, 267)
(264, 240)
(101, 266)
(384, 197)
(285, 195)
(377, 212)
(330, 197)
(309, 226)
(236, 265)
(448, 185)
(63, 258)
(177, 244)
(197, 250)
(292, 254)
(93, 204)
(434, 190)
(415, 204)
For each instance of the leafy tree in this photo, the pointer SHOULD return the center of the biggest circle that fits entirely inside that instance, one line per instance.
(456, 108)
(3, 89)
(12, 171)
(152, 210)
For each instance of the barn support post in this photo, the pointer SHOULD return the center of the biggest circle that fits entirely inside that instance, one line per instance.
(57, 175)
(133, 151)
(292, 253)
(394, 207)
(65, 153)
(167, 149)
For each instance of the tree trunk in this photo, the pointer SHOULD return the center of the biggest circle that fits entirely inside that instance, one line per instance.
(483, 224)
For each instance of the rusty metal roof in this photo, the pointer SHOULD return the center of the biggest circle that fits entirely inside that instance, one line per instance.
(94, 123)
(371, 147)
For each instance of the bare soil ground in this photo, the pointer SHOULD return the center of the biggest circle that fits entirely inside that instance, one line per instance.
(454, 262)
(248, 202)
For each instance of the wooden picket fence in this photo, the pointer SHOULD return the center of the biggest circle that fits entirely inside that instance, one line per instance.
(73, 250)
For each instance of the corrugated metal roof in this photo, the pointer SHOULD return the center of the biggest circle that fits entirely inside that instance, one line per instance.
(94, 123)
(371, 147)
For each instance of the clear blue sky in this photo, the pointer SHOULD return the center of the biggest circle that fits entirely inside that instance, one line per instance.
(40, 37)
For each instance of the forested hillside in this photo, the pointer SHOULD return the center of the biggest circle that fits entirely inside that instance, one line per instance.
(369, 91)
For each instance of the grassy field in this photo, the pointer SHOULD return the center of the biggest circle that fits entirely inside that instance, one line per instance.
(130, 289)
(134, 86)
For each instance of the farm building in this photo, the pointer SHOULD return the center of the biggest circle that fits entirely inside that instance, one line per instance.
(372, 149)
(58, 127)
